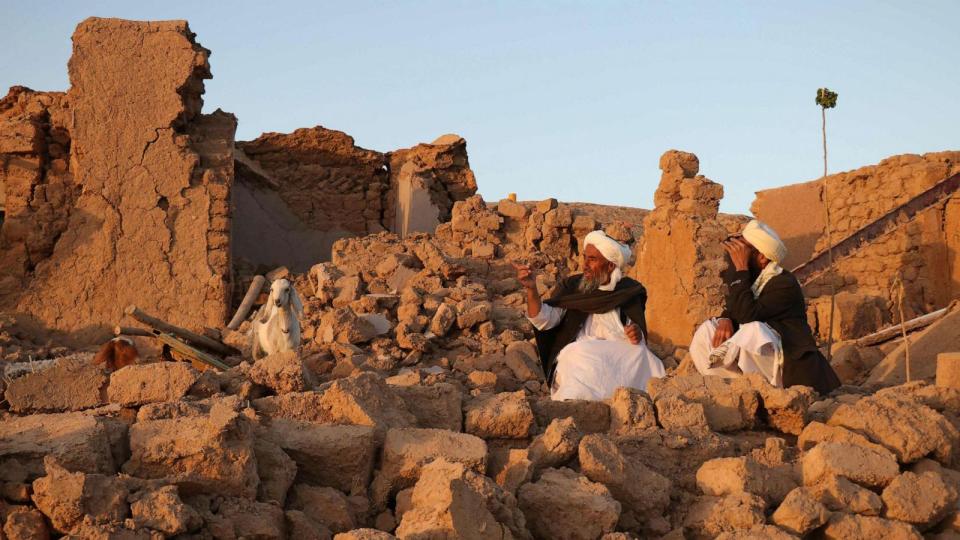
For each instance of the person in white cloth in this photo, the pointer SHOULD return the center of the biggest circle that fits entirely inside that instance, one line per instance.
(591, 332)
(763, 328)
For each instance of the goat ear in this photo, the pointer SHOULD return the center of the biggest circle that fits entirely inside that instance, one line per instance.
(265, 313)
(295, 300)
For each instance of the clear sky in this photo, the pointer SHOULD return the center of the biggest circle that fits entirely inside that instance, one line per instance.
(574, 100)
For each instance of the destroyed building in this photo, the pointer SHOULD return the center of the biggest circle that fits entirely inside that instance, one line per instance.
(120, 190)
(416, 406)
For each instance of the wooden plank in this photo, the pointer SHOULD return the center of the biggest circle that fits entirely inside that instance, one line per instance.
(248, 299)
(190, 352)
(186, 335)
(895, 331)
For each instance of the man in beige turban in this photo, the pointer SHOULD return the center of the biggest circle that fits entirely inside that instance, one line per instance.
(763, 328)
(591, 333)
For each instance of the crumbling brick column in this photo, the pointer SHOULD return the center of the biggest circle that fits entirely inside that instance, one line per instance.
(152, 223)
(37, 189)
(680, 256)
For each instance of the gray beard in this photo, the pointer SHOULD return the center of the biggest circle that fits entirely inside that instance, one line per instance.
(589, 284)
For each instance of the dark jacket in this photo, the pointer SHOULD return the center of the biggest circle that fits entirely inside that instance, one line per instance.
(782, 306)
(629, 295)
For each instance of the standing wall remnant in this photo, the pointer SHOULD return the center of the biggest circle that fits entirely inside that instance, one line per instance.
(426, 181)
(300, 192)
(919, 251)
(680, 256)
(37, 188)
(151, 225)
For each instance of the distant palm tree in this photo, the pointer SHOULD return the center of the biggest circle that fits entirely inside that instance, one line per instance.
(828, 100)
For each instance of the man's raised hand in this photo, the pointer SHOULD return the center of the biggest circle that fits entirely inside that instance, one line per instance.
(739, 251)
(634, 334)
(525, 276)
(724, 331)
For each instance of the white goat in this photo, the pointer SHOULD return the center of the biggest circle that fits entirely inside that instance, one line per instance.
(276, 326)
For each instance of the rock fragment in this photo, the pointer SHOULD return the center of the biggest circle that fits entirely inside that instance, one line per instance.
(563, 504)
(860, 464)
(919, 499)
(800, 513)
(500, 416)
(162, 510)
(140, 384)
(282, 372)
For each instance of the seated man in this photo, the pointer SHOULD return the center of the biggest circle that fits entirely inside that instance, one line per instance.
(764, 326)
(587, 347)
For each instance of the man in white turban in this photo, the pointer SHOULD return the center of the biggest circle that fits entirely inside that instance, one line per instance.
(591, 332)
(763, 328)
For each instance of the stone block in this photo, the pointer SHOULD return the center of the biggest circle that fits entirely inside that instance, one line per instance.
(500, 416)
(137, 385)
(79, 384)
(564, 504)
(336, 456)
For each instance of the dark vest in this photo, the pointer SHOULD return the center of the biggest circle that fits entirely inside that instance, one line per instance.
(629, 296)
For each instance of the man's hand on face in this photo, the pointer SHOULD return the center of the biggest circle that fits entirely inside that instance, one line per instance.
(739, 251)
(525, 276)
(724, 331)
(634, 334)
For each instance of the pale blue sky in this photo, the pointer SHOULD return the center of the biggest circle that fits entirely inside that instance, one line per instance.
(575, 100)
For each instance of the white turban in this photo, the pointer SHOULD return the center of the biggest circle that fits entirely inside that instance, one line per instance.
(765, 239)
(611, 250)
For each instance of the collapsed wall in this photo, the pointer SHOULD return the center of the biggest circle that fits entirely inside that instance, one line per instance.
(298, 193)
(922, 252)
(151, 222)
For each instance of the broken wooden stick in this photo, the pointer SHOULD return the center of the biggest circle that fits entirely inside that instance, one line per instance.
(131, 331)
(167, 328)
(248, 299)
(893, 331)
(190, 352)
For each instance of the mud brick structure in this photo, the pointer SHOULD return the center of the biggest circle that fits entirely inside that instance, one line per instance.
(923, 251)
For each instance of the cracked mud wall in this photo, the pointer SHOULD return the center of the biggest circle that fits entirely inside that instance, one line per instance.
(151, 224)
(680, 256)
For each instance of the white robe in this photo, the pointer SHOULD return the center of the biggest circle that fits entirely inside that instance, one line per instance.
(754, 348)
(601, 359)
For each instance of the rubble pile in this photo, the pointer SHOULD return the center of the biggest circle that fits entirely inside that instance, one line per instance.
(415, 406)
(365, 443)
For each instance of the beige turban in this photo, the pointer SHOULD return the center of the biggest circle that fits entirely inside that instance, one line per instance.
(765, 239)
(611, 250)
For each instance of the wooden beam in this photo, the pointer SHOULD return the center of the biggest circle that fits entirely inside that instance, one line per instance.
(131, 331)
(186, 335)
(892, 220)
(895, 331)
(191, 352)
(248, 299)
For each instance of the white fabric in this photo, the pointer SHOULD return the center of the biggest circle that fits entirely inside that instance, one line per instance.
(769, 272)
(766, 240)
(601, 359)
(593, 368)
(611, 250)
(754, 348)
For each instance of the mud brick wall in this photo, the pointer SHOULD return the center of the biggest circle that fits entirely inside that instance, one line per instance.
(37, 188)
(151, 223)
(918, 252)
